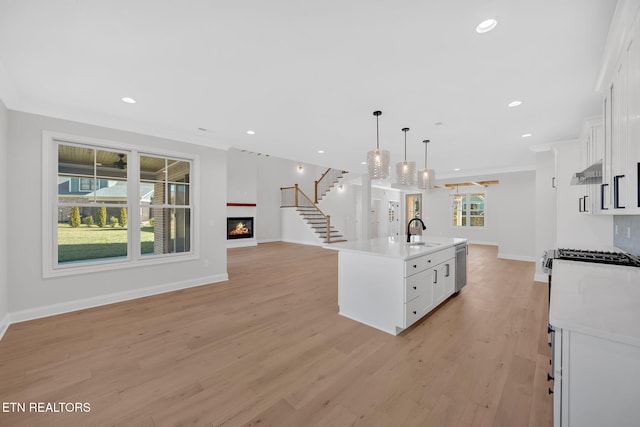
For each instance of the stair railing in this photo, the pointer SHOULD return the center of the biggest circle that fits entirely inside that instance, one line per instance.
(294, 197)
(326, 181)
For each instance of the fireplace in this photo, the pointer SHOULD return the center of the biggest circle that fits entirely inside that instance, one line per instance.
(239, 228)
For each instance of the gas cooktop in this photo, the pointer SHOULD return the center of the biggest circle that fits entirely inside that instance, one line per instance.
(615, 258)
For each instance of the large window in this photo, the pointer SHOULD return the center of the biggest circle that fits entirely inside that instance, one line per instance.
(115, 206)
(468, 210)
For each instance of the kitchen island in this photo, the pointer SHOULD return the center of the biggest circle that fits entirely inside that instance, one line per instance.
(389, 284)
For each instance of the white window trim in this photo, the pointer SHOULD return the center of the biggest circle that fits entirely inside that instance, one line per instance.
(468, 226)
(134, 258)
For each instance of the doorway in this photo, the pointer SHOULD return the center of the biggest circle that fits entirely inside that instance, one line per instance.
(413, 208)
(394, 218)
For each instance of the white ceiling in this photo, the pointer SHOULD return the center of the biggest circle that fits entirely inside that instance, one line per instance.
(307, 75)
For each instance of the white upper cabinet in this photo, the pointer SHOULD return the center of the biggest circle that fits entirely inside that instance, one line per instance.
(591, 153)
(619, 85)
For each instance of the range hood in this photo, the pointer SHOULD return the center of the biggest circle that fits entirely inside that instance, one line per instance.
(591, 175)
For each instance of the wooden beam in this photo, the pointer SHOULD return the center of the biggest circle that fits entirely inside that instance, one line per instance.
(472, 183)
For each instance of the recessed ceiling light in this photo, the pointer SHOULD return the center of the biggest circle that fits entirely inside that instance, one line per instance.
(250, 132)
(438, 123)
(363, 163)
(128, 100)
(526, 135)
(515, 103)
(456, 169)
(320, 151)
(486, 26)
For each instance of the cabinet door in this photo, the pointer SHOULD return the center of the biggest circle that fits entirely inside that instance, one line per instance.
(606, 187)
(449, 277)
(633, 153)
(620, 136)
(438, 284)
(426, 292)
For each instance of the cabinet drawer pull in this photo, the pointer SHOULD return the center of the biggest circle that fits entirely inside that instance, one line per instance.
(448, 273)
(414, 312)
(549, 377)
(435, 276)
(415, 265)
(415, 287)
(550, 391)
(616, 191)
(602, 187)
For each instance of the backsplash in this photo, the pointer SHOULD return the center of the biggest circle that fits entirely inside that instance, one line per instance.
(621, 239)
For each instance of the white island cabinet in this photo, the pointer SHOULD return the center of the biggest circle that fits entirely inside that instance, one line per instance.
(595, 316)
(389, 284)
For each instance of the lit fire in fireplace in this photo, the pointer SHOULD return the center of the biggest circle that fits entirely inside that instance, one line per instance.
(239, 230)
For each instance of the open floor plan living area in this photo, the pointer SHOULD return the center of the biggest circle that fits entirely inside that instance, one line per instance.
(320, 214)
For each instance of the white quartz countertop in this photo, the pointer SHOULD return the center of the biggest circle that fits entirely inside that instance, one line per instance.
(596, 299)
(397, 247)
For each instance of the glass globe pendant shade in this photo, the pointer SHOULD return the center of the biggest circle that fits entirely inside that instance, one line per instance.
(426, 179)
(378, 164)
(406, 173)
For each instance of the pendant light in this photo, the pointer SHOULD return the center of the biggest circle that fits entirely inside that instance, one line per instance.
(378, 160)
(426, 177)
(406, 171)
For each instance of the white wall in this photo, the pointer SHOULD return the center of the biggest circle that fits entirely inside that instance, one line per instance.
(573, 229)
(4, 202)
(340, 204)
(510, 214)
(32, 296)
(545, 208)
(273, 174)
(242, 187)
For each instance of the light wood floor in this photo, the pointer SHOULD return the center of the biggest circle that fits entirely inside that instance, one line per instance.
(269, 348)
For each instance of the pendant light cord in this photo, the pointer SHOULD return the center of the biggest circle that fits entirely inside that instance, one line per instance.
(377, 133)
(405, 143)
(426, 141)
(377, 114)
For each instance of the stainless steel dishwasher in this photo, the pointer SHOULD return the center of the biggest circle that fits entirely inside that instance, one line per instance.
(461, 265)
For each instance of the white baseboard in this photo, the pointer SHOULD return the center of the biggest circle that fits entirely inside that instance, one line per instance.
(241, 243)
(303, 242)
(269, 240)
(81, 304)
(4, 325)
(541, 277)
(516, 257)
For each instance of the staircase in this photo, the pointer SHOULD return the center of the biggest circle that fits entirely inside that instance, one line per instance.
(326, 182)
(318, 221)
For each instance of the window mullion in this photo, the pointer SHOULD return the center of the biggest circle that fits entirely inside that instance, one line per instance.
(133, 204)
